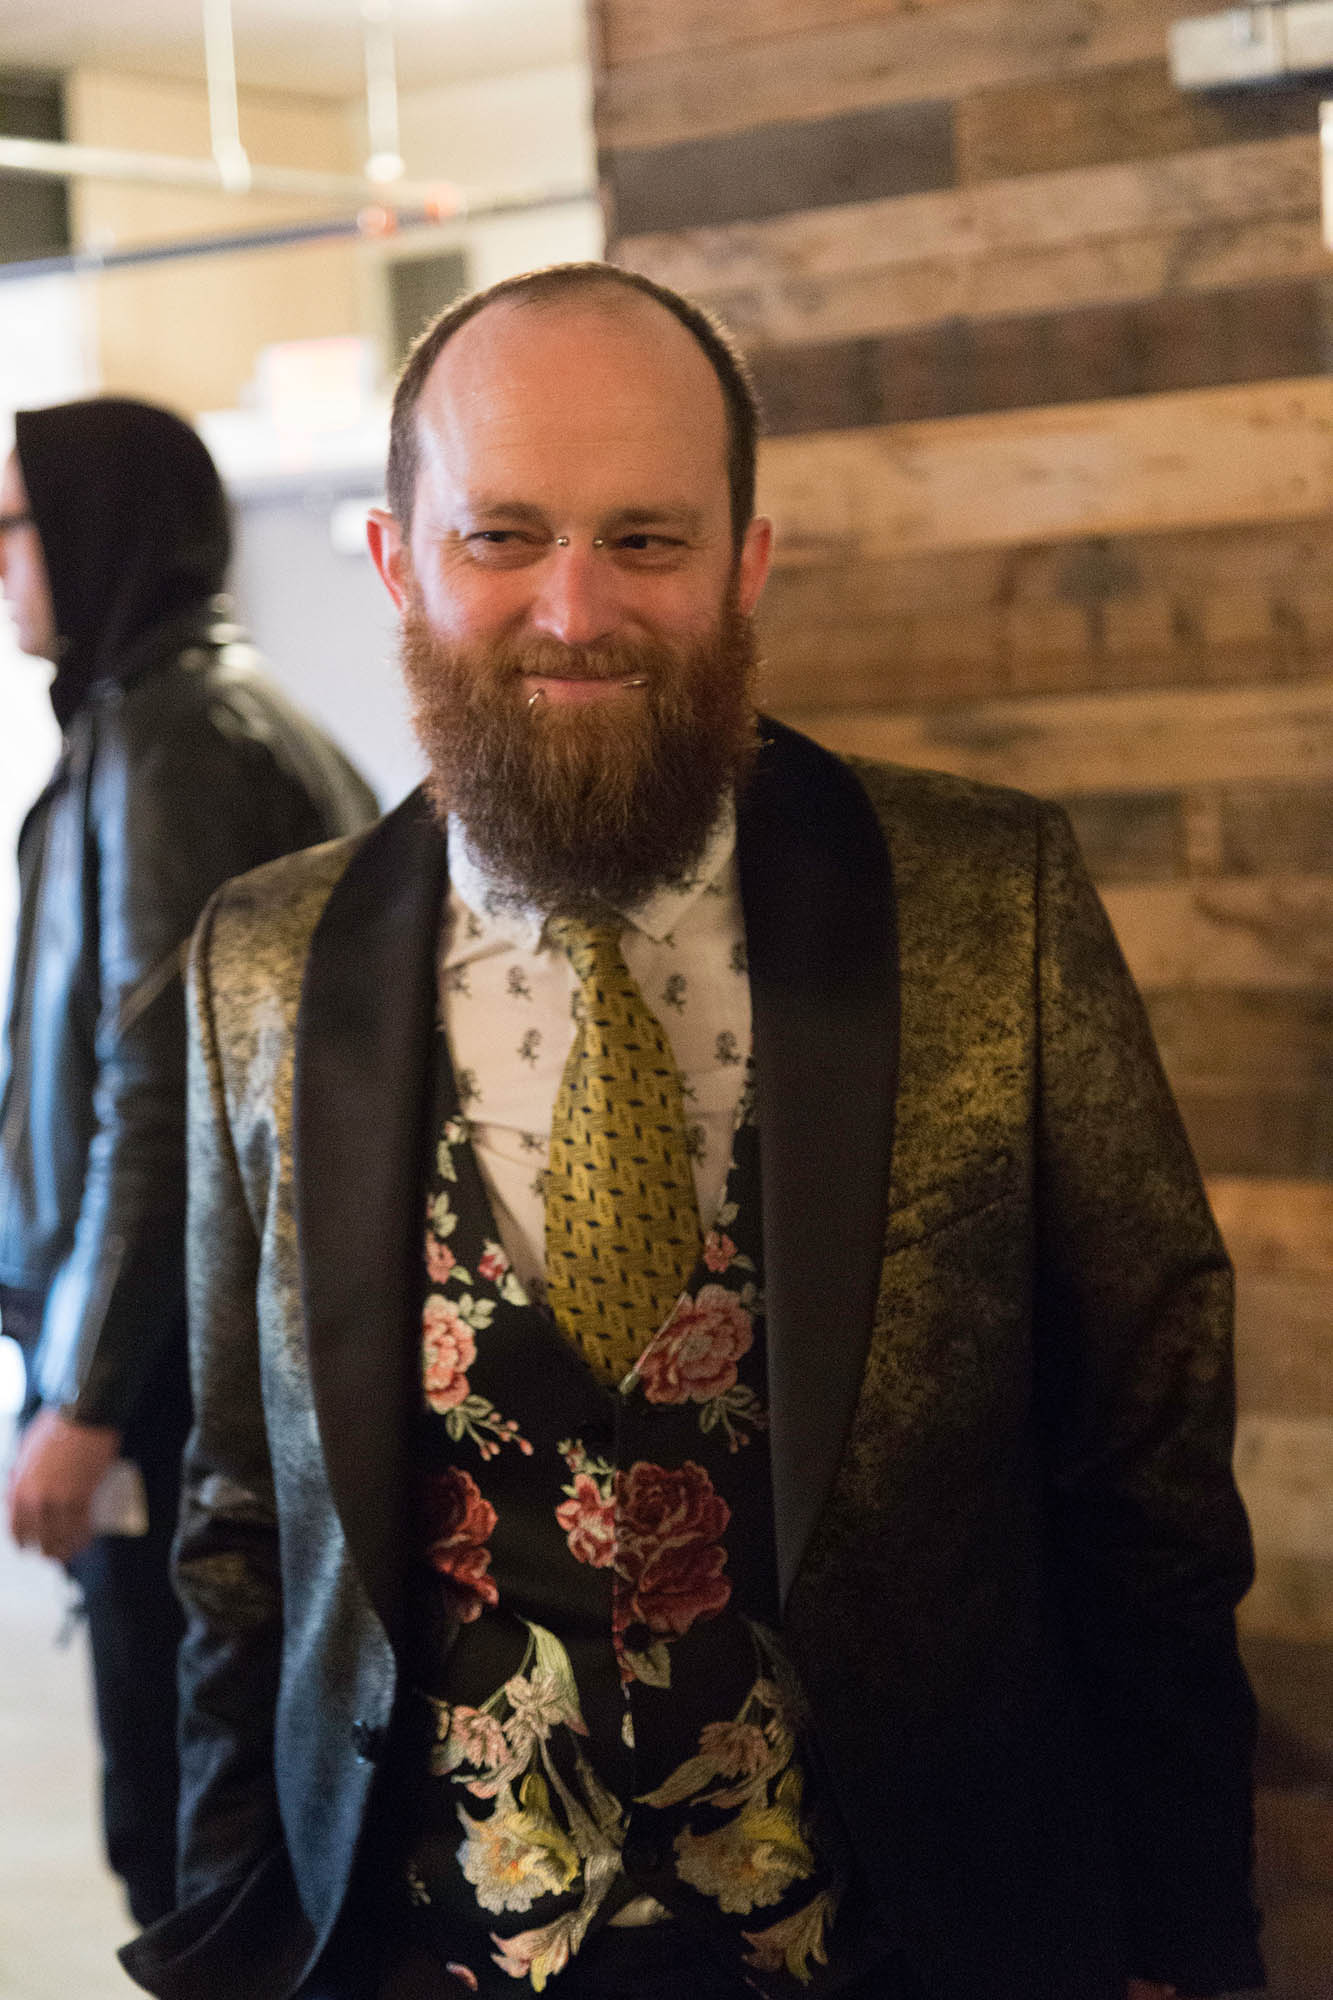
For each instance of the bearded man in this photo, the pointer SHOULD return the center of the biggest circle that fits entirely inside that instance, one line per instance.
(711, 1469)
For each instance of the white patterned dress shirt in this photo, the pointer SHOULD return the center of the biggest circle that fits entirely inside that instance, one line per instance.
(506, 1005)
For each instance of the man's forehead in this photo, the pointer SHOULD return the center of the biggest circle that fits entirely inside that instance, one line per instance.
(583, 375)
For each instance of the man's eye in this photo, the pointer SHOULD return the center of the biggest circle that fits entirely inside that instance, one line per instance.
(651, 548)
(499, 545)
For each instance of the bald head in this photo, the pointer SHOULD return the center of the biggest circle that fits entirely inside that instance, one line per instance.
(605, 291)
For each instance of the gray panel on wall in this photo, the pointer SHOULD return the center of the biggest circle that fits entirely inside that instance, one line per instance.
(326, 625)
(421, 287)
(34, 214)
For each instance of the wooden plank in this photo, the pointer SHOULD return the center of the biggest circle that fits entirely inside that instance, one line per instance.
(1244, 1128)
(1271, 933)
(927, 658)
(1250, 1038)
(1202, 606)
(864, 155)
(630, 30)
(1294, 1688)
(993, 224)
(892, 58)
(1130, 836)
(1291, 1598)
(1264, 827)
(1181, 340)
(1283, 562)
(1276, 1228)
(1295, 1833)
(1284, 1466)
(784, 314)
(1199, 457)
(1107, 743)
(1134, 112)
(1284, 1346)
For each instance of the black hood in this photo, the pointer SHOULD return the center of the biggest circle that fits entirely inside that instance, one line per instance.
(134, 528)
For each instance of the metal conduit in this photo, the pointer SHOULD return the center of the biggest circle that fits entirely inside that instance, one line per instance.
(378, 222)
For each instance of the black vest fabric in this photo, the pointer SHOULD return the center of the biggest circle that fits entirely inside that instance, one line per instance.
(599, 1710)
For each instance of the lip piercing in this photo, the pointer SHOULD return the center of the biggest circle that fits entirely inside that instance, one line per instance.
(638, 681)
(538, 694)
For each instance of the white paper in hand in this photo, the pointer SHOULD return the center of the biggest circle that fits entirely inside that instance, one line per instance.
(120, 1504)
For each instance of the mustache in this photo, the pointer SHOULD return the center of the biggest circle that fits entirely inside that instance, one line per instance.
(539, 658)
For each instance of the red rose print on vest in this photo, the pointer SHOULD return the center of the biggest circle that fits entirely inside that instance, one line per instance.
(448, 1350)
(589, 1522)
(669, 1559)
(458, 1523)
(695, 1356)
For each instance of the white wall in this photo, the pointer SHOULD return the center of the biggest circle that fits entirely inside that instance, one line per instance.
(500, 136)
(44, 358)
(44, 350)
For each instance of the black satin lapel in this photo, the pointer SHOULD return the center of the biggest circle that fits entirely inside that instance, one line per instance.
(361, 1100)
(817, 890)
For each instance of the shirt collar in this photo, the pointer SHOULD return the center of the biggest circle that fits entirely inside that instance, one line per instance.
(503, 922)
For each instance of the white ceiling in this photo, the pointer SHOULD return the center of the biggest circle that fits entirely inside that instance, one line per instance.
(303, 45)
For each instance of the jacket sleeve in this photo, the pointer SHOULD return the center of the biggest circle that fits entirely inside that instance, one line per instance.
(1137, 1399)
(226, 1558)
(174, 810)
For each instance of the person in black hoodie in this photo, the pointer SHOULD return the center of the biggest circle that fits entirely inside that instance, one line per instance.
(181, 766)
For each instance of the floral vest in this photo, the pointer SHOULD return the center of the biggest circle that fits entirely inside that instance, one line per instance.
(599, 1717)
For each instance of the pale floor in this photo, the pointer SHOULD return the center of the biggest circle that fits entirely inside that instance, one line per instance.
(61, 1915)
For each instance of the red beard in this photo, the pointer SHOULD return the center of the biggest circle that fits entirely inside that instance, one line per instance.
(588, 807)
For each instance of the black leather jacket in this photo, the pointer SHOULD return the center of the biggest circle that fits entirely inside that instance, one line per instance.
(189, 771)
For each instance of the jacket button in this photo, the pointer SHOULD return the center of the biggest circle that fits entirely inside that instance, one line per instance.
(367, 1740)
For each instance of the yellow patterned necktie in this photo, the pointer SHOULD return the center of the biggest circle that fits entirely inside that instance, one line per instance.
(622, 1219)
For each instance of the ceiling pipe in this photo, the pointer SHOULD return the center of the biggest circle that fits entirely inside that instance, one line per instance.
(377, 221)
(385, 164)
(62, 159)
(224, 115)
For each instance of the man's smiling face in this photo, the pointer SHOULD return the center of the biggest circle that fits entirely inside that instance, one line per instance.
(572, 482)
(576, 614)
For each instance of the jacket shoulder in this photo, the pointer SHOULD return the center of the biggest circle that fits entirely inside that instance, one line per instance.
(908, 797)
(944, 830)
(254, 937)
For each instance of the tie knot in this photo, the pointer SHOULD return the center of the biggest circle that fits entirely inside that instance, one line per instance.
(589, 946)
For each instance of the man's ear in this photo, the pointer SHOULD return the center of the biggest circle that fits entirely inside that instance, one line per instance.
(752, 569)
(388, 552)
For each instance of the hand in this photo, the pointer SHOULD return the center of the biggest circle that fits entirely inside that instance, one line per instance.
(57, 1469)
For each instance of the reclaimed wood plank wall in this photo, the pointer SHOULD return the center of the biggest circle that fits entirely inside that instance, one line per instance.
(1043, 348)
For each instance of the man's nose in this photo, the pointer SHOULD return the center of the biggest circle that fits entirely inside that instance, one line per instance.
(577, 599)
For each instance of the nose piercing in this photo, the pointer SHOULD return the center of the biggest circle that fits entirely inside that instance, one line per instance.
(538, 694)
(562, 541)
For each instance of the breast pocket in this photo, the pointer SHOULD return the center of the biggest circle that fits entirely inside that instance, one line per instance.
(974, 1186)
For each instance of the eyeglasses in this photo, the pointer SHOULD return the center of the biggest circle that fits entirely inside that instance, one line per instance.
(8, 521)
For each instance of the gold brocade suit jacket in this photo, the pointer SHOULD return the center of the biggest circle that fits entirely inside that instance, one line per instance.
(999, 1363)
